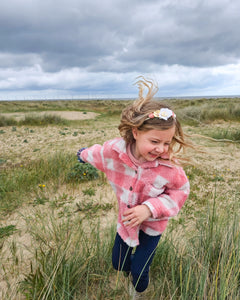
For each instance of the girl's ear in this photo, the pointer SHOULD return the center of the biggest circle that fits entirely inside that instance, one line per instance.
(134, 132)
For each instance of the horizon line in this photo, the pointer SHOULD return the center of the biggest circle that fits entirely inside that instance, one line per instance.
(76, 98)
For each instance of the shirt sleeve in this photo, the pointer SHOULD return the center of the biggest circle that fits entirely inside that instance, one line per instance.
(169, 203)
(94, 156)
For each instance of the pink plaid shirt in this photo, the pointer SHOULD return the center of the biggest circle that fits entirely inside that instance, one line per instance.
(160, 185)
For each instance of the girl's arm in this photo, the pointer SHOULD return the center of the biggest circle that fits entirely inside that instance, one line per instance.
(93, 155)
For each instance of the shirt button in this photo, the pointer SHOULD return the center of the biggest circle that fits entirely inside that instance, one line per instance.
(130, 188)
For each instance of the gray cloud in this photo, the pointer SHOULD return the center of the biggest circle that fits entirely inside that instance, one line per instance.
(100, 38)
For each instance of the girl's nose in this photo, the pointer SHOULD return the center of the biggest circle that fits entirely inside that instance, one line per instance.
(159, 148)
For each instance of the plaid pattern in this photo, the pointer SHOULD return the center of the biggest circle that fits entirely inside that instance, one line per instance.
(160, 185)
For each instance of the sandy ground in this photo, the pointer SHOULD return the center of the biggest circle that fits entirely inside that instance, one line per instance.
(22, 144)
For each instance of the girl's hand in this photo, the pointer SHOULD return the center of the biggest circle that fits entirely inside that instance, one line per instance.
(136, 215)
(78, 155)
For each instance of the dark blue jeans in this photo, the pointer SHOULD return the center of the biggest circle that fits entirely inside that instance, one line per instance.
(139, 262)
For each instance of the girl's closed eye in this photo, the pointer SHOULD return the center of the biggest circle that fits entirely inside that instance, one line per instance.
(157, 142)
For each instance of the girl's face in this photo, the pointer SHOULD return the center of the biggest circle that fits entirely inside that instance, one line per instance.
(152, 144)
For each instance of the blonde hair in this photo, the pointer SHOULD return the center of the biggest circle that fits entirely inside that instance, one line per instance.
(136, 116)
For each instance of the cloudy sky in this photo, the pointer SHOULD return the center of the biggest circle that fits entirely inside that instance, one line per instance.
(93, 48)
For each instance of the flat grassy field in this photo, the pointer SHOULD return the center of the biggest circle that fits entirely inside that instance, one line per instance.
(58, 218)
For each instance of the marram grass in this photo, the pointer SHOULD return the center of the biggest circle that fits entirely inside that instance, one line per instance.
(34, 178)
(71, 255)
(206, 267)
(73, 261)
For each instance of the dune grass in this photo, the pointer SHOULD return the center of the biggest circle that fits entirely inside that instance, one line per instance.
(33, 120)
(231, 134)
(194, 112)
(70, 254)
(27, 182)
(74, 262)
(99, 106)
(201, 111)
(73, 266)
(206, 267)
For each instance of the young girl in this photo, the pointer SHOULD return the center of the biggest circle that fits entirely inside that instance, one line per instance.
(151, 187)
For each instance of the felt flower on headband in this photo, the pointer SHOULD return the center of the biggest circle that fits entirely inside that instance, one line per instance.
(163, 113)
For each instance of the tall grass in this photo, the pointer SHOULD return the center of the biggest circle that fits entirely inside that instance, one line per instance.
(33, 120)
(69, 263)
(73, 261)
(63, 105)
(46, 119)
(6, 121)
(232, 134)
(71, 254)
(20, 182)
(207, 267)
(209, 111)
(192, 111)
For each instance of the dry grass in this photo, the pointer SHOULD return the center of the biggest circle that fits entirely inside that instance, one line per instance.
(217, 172)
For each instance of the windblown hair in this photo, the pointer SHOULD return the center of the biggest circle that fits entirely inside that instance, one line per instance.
(136, 116)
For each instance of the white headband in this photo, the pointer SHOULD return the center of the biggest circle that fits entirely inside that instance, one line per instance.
(163, 113)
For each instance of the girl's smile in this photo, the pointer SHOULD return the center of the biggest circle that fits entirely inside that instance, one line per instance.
(152, 144)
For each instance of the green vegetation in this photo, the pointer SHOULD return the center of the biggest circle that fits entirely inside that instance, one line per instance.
(33, 120)
(232, 134)
(193, 112)
(196, 112)
(7, 231)
(5, 121)
(72, 267)
(82, 172)
(64, 212)
(20, 183)
(100, 106)
(76, 265)
(206, 267)
(91, 208)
